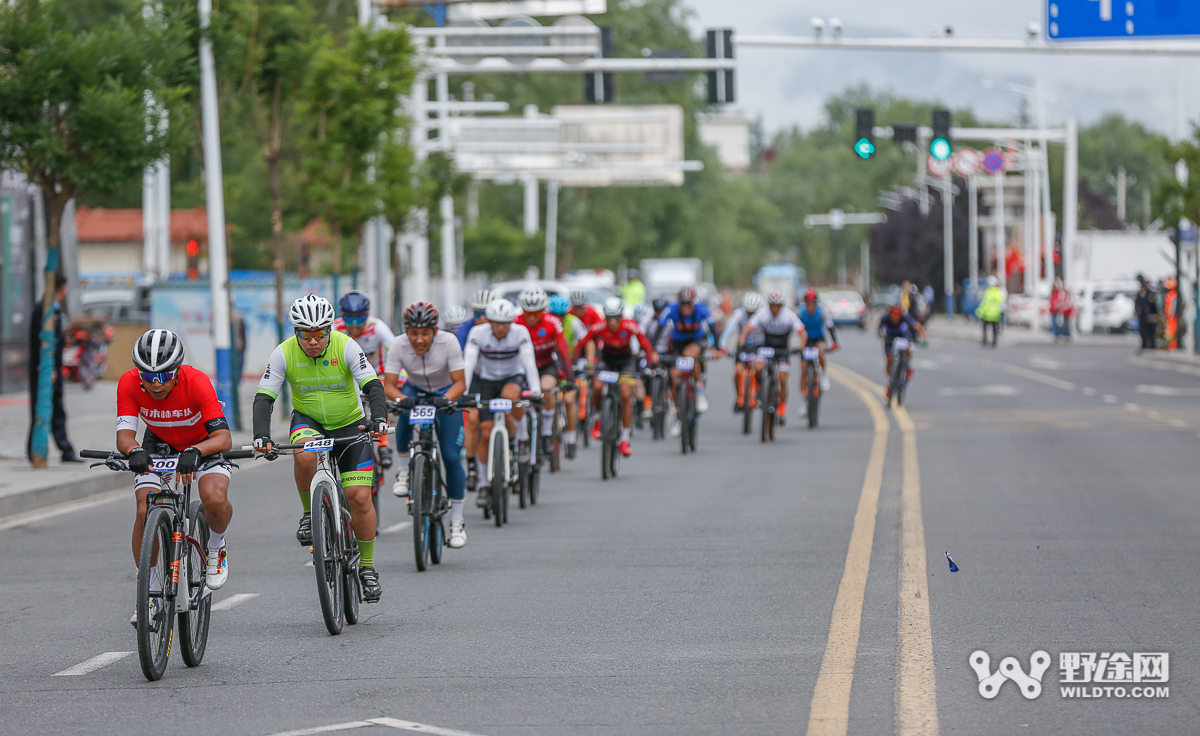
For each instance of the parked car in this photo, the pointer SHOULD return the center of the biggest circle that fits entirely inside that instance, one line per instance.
(846, 308)
(1113, 311)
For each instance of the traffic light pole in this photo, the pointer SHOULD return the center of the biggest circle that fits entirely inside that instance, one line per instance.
(948, 243)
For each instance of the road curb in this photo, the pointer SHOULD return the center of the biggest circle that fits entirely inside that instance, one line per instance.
(28, 499)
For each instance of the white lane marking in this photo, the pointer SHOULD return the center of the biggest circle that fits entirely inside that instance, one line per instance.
(1131, 407)
(420, 727)
(1031, 375)
(93, 664)
(63, 508)
(926, 365)
(395, 723)
(1089, 391)
(397, 527)
(1167, 390)
(992, 390)
(309, 563)
(233, 600)
(1110, 399)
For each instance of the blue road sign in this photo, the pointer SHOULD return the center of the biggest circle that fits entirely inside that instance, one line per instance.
(1110, 19)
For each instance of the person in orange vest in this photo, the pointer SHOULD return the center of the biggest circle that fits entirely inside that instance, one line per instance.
(1170, 307)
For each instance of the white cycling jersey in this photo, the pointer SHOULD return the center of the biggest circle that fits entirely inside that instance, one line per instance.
(733, 330)
(659, 337)
(497, 359)
(776, 328)
(374, 340)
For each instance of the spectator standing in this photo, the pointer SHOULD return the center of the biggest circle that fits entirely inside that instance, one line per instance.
(1060, 311)
(58, 416)
(1145, 306)
(990, 309)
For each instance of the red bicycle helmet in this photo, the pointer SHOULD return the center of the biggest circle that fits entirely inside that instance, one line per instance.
(810, 295)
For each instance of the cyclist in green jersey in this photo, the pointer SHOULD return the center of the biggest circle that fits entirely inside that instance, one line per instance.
(326, 370)
(574, 330)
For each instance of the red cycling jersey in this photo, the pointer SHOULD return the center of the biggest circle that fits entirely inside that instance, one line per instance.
(547, 336)
(618, 342)
(188, 415)
(591, 316)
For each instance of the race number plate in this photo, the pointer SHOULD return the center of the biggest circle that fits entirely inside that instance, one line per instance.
(320, 445)
(746, 357)
(608, 376)
(811, 353)
(684, 363)
(164, 464)
(900, 343)
(766, 353)
(500, 405)
(422, 415)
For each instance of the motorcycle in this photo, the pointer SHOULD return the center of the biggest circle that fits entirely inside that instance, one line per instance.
(85, 352)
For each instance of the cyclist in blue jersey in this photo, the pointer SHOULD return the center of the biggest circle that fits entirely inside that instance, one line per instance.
(692, 332)
(898, 323)
(816, 323)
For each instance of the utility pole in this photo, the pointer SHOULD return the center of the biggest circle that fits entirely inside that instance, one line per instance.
(948, 243)
(218, 267)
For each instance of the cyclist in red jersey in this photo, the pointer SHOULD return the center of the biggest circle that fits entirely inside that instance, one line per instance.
(179, 407)
(550, 351)
(615, 337)
(588, 314)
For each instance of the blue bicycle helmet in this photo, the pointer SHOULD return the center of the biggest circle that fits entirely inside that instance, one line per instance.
(354, 304)
(559, 305)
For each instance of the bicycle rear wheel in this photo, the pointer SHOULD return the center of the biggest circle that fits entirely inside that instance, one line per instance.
(351, 585)
(523, 471)
(682, 413)
(769, 406)
(155, 629)
(193, 624)
(814, 395)
(420, 499)
(498, 460)
(327, 559)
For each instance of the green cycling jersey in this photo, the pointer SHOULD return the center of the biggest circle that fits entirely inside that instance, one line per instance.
(324, 388)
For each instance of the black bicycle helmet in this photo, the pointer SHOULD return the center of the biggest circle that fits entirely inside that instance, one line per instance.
(420, 314)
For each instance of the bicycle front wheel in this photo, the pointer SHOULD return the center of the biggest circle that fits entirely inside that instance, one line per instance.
(419, 503)
(682, 413)
(747, 402)
(193, 623)
(327, 559)
(769, 407)
(155, 611)
(498, 460)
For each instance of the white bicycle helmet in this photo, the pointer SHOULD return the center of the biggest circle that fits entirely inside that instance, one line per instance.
(775, 297)
(502, 310)
(614, 306)
(455, 315)
(480, 299)
(578, 298)
(158, 350)
(311, 312)
(533, 298)
(752, 301)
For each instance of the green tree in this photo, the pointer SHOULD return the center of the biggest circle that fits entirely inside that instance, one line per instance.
(73, 116)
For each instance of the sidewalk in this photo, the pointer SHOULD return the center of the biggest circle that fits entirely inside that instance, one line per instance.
(91, 416)
(960, 329)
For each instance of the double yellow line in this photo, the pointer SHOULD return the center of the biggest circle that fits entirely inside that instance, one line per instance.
(916, 699)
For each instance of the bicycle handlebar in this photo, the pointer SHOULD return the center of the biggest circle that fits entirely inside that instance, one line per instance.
(106, 454)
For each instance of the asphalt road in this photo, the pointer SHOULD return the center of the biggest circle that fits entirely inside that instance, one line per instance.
(748, 589)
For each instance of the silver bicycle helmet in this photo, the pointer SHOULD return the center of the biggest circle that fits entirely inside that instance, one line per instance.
(455, 315)
(480, 299)
(614, 306)
(158, 350)
(752, 301)
(578, 298)
(533, 298)
(502, 310)
(311, 312)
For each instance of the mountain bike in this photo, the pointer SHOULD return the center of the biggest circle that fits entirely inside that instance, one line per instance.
(503, 475)
(528, 459)
(898, 381)
(335, 548)
(769, 393)
(428, 499)
(560, 425)
(659, 387)
(610, 424)
(685, 403)
(174, 548)
(585, 410)
(809, 355)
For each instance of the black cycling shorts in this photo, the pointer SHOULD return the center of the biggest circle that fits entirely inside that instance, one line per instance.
(489, 389)
(616, 363)
(355, 461)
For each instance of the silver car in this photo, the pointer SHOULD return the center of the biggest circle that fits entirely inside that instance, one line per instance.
(845, 308)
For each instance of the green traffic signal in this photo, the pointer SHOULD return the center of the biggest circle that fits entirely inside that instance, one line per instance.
(864, 148)
(940, 149)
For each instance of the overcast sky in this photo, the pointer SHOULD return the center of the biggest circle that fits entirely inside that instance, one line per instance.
(788, 87)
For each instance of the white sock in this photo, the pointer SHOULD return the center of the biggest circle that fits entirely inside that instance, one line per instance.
(456, 505)
(625, 433)
(402, 461)
(523, 429)
(154, 578)
(216, 540)
(547, 422)
(482, 472)
(571, 435)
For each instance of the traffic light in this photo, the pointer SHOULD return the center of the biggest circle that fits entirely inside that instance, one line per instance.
(939, 145)
(598, 86)
(720, 83)
(864, 133)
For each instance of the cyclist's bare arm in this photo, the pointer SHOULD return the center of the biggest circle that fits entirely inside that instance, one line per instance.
(390, 388)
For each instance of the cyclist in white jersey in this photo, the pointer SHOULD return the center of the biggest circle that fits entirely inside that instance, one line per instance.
(371, 333)
(502, 352)
(778, 324)
(731, 342)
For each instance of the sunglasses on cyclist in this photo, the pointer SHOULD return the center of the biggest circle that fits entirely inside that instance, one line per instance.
(479, 313)
(312, 334)
(159, 377)
(355, 321)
